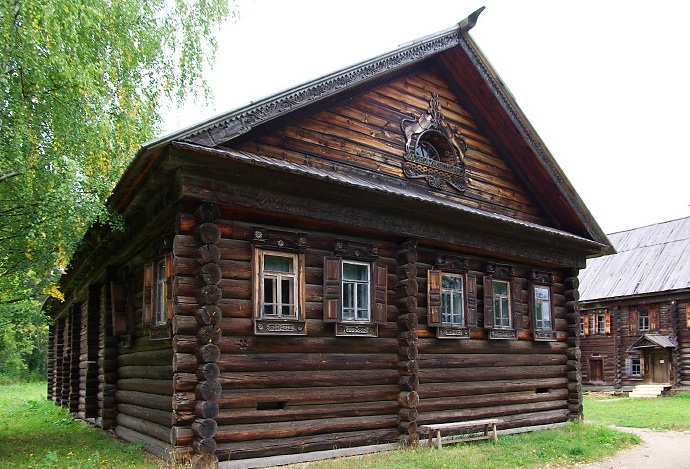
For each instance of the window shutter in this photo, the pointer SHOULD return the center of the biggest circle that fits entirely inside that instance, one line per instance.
(169, 302)
(471, 300)
(516, 294)
(608, 323)
(628, 367)
(642, 367)
(632, 317)
(380, 294)
(147, 294)
(654, 319)
(433, 295)
(488, 303)
(332, 299)
(585, 324)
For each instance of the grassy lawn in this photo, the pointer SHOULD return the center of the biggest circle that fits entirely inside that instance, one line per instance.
(668, 413)
(34, 433)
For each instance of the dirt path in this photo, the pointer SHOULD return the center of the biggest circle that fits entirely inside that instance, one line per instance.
(665, 449)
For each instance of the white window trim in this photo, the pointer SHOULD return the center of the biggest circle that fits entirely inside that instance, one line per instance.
(278, 276)
(356, 282)
(509, 311)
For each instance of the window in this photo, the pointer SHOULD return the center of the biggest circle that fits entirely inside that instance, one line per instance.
(278, 285)
(278, 293)
(542, 308)
(601, 322)
(542, 313)
(452, 307)
(451, 303)
(356, 291)
(355, 296)
(157, 307)
(501, 304)
(582, 325)
(643, 320)
(634, 366)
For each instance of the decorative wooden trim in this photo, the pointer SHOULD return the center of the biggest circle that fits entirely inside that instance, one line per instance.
(356, 251)
(279, 327)
(453, 333)
(279, 240)
(346, 329)
(431, 127)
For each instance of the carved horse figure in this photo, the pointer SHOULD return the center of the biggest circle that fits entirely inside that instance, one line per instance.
(412, 127)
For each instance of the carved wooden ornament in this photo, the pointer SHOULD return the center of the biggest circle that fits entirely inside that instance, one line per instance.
(433, 150)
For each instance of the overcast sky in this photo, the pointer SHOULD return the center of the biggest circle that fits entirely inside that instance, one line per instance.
(606, 84)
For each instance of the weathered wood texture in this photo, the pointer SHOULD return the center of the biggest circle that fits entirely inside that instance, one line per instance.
(364, 131)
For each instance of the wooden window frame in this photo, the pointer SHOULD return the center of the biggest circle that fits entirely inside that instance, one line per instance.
(449, 329)
(643, 320)
(503, 274)
(278, 324)
(540, 331)
(333, 297)
(599, 317)
(629, 365)
(157, 297)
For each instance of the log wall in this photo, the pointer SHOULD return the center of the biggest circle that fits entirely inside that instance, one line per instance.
(364, 131)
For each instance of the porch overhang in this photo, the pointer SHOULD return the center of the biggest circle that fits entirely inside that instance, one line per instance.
(652, 341)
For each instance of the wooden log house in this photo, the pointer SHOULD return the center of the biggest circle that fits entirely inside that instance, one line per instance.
(329, 268)
(635, 314)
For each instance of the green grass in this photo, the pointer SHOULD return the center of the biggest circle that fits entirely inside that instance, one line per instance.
(565, 446)
(667, 413)
(34, 433)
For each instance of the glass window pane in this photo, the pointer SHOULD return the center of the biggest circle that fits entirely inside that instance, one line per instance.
(499, 288)
(541, 293)
(363, 296)
(348, 295)
(355, 272)
(451, 282)
(457, 303)
(278, 263)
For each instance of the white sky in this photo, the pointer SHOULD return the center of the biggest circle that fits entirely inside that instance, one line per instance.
(606, 84)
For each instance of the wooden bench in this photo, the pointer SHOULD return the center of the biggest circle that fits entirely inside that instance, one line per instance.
(437, 428)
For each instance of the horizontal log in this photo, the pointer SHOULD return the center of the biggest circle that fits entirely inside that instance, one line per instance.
(325, 345)
(498, 385)
(208, 315)
(161, 417)
(301, 396)
(183, 419)
(265, 448)
(473, 360)
(185, 363)
(144, 399)
(291, 412)
(280, 430)
(490, 400)
(428, 375)
(507, 413)
(181, 436)
(431, 346)
(151, 429)
(149, 372)
(183, 401)
(210, 274)
(154, 386)
(162, 449)
(247, 380)
(150, 357)
(306, 362)
(185, 382)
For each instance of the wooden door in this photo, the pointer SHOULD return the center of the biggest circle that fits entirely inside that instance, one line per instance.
(596, 371)
(659, 367)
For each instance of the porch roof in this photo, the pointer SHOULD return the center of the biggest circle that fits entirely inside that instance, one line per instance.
(652, 340)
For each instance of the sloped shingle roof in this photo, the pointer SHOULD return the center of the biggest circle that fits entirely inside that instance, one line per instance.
(650, 259)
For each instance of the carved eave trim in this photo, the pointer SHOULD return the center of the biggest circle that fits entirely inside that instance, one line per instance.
(229, 126)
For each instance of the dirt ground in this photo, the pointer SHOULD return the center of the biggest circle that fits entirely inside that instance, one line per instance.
(665, 449)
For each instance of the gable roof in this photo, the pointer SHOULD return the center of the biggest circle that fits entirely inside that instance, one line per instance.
(472, 75)
(652, 341)
(650, 259)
